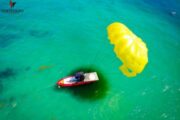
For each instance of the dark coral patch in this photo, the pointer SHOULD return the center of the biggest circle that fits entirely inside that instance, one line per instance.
(38, 34)
(8, 72)
(5, 74)
(7, 39)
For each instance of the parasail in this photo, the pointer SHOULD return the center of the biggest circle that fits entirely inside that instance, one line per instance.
(129, 48)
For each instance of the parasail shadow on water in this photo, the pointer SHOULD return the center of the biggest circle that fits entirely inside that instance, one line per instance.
(89, 92)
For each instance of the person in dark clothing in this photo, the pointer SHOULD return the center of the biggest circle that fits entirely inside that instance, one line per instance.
(79, 76)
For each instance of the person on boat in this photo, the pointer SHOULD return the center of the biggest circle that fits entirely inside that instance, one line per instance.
(79, 76)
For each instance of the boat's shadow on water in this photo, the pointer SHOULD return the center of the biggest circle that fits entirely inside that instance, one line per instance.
(92, 91)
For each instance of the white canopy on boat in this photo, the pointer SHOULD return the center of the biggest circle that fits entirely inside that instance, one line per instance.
(91, 77)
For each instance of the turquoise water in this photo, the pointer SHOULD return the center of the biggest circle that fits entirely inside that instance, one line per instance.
(51, 39)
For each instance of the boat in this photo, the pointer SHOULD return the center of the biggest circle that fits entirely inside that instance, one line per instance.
(71, 81)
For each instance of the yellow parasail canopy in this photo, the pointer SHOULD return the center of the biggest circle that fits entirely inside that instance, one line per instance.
(129, 48)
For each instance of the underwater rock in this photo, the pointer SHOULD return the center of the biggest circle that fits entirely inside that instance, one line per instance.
(8, 72)
(7, 39)
(38, 34)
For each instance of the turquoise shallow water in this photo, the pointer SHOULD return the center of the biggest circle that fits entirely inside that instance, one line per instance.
(65, 36)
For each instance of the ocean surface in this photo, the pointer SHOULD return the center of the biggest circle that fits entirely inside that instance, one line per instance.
(52, 39)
